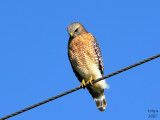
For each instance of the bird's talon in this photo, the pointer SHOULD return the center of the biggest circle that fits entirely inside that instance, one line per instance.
(83, 84)
(89, 82)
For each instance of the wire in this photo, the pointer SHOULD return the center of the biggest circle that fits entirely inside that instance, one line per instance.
(127, 68)
(77, 88)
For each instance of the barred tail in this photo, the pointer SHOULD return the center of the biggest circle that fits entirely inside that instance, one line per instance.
(99, 99)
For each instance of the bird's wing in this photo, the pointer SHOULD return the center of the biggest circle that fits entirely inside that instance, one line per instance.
(99, 56)
(79, 77)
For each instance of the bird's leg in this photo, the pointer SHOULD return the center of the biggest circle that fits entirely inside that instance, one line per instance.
(89, 82)
(83, 84)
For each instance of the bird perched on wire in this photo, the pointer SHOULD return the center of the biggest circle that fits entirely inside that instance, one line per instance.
(86, 61)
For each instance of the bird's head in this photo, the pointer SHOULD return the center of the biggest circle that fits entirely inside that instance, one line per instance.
(75, 29)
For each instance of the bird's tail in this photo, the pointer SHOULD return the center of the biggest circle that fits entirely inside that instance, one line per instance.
(99, 98)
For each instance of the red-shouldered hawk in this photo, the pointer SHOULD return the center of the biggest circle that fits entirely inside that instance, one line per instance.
(86, 61)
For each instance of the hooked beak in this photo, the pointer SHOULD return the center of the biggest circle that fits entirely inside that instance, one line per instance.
(71, 34)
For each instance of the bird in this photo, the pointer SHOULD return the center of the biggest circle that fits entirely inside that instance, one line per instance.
(86, 61)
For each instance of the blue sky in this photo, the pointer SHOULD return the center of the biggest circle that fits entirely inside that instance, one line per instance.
(34, 65)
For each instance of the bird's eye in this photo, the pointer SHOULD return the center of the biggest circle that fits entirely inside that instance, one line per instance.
(76, 30)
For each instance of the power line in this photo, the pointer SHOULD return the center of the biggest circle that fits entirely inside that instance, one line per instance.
(127, 68)
(77, 88)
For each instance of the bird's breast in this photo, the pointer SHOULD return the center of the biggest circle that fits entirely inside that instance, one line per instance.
(83, 56)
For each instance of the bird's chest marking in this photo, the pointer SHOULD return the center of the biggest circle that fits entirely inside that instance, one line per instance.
(83, 54)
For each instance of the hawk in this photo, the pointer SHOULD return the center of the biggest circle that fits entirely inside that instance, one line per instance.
(86, 61)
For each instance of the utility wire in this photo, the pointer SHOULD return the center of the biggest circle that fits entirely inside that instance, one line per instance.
(77, 88)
